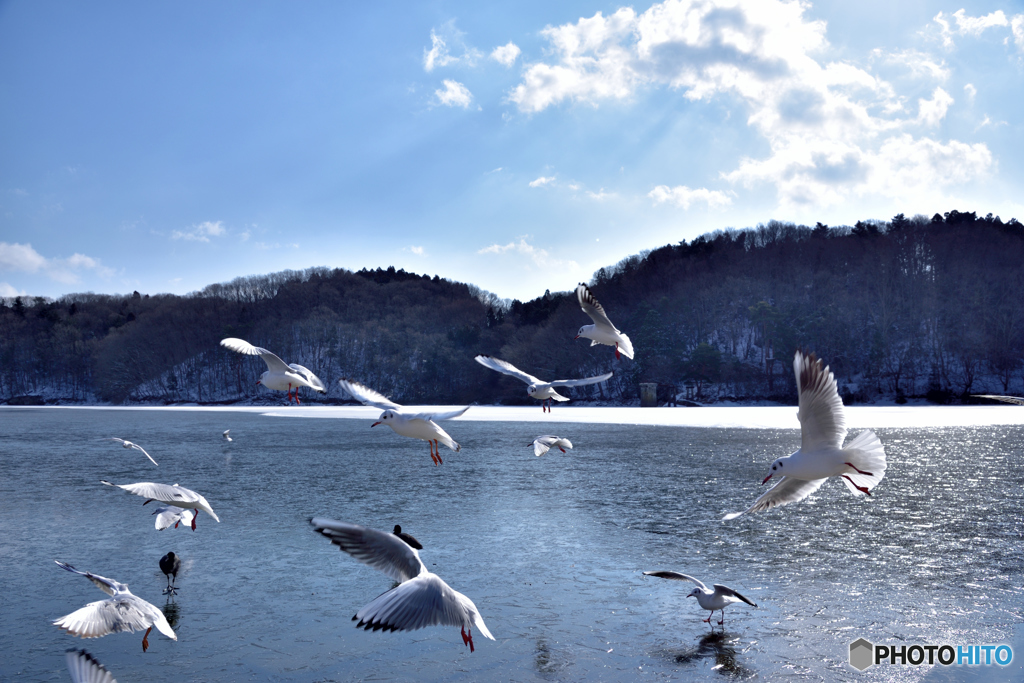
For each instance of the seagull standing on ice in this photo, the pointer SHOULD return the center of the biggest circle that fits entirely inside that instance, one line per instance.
(542, 444)
(129, 444)
(279, 376)
(538, 388)
(821, 455)
(122, 611)
(413, 425)
(420, 599)
(602, 331)
(176, 496)
(712, 600)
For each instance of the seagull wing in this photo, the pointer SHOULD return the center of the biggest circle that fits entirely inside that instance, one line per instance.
(822, 422)
(125, 612)
(725, 590)
(438, 416)
(593, 307)
(274, 364)
(580, 382)
(84, 668)
(169, 516)
(507, 368)
(788, 490)
(367, 396)
(162, 492)
(676, 576)
(383, 551)
(423, 601)
(140, 448)
(108, 586)
(1004, 399)
(542, 444)
(308, 375)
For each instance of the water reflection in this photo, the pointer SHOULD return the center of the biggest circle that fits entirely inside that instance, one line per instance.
(171, 611)
(720, 646)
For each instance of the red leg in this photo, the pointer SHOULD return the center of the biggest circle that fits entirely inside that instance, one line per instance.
(561, 449)
(708, 620)
(862, 489)
(437, 450)
(859, 471)
(723, 618)
(194, 519)
(617, 356)
(145, 639)
(297, 401)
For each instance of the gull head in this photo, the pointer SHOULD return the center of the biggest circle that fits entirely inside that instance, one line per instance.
(777, 468)
(385, 417)
(583, 332)
(263, 377)
(532, 389)
(694, 593)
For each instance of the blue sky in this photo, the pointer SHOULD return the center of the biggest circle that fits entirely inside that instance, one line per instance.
(161, 147)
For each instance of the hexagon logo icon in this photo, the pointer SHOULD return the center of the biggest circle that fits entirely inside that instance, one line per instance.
(861, 654)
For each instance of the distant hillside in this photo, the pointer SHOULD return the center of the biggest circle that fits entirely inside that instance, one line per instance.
(909, 307)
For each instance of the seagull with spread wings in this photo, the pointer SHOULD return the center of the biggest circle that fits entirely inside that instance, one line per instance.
(128, 444)
(538, 388)
(542, 444)
(121, 612)
(420, 599)
(280, 376)
(712, 600)
(1016, 400)
(413, 425)
(176, 496)
(860, 464)
(602, 331)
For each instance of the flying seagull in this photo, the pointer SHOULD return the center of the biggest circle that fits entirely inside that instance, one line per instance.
(821, 455)
(538, 389)
(420, 599)
(227, 433)
(602, 331)
(122, 611)
(542, 444)
(177, 496)
(279, 376)
(129, 444)
(413, 425)
(712, 600)
(1005, 399)
(169, 515)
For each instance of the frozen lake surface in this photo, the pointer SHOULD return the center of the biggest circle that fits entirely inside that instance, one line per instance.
(550, 549)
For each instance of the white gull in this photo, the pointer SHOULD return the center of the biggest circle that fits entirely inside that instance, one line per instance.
(538, 388)
(280, 376)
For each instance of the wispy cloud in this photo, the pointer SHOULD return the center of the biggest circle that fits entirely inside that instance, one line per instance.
(440, 55)
(542, 181)
(7, 291)
(684, 197)
(23, 258)
(536, 256)
(201, 232)
(506, 54)
(454, 95)
(419, 251)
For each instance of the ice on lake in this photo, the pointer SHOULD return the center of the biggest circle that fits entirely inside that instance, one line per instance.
(550, 549)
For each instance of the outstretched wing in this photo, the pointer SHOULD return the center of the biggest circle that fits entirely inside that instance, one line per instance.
(1005, 399)
(580, 382)
(676, 576)
(84, 668)
(725, 590)
(507, 368)
(140, 448)
(114, 615)
(162, 492)
(169, 516)
(308, 375)
(367, 396)
(822, 421)
(274, 364)
(108, 586)
(383, 551)
(423, 601)
(592, 307)
(438, 416)
(788, 490)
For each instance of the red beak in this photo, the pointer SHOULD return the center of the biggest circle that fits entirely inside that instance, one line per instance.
(259, 381)
(766, 480)
(375, 424)
(576, 337)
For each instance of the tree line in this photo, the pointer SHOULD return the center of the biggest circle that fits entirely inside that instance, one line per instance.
(910, 307)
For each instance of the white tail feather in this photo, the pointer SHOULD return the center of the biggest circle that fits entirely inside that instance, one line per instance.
(866, 453)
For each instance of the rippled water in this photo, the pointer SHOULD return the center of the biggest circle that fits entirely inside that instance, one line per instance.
(550, 549)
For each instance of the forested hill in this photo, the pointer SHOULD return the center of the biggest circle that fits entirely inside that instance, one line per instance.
(909, 307)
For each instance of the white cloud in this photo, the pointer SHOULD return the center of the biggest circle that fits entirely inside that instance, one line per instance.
(1017, 27)
(971, 92)
(542, 181)
(201, 232)
(683, 196)
(826, 123)
(438, 55)
(919, 64)
(965, 25)
(536, 256)
(23, 258)
(600, 195)
(419, 251)
(7, 291)
(506, 54)
(454, 95)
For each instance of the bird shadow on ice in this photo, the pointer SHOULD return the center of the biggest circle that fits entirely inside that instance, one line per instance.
(718, 646)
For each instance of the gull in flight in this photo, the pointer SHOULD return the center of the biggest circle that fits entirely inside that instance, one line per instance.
(227, 433)
(170, 565)
(169, 515)
(122, 611)
(176, 496)
(602, 331)
(1005, 399)
(821, 455)
(420, 599)
(542, 444)
(129, 444)
(413, 425)
(84, 668)
(408, 538)
(712, 600)
(279, 376)
(538, 389)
